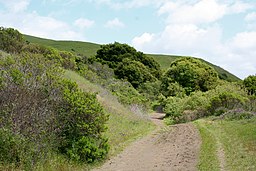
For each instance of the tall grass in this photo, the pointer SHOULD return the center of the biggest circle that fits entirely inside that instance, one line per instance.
(238, 139)
(126, 123)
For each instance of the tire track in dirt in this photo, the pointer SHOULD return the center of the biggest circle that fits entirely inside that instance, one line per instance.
(172, 148)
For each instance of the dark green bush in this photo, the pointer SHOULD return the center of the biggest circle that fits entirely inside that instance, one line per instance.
(129, 64)
(11, 40)
(190, 73)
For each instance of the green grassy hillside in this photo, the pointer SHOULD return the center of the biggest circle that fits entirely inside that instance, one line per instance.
(90, 49)
(78, 47)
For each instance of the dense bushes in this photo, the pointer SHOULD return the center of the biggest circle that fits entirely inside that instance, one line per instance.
(11, 40)
(42, 113)
(224, 98)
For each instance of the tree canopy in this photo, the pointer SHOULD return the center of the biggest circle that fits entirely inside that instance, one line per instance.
(192, 74)
(129, 64)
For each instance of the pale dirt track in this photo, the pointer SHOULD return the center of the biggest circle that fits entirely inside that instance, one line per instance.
(173, 148)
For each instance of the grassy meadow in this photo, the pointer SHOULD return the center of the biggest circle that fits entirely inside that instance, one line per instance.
(236, 137)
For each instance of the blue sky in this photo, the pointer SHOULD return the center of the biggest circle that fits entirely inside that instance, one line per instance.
(220, 31)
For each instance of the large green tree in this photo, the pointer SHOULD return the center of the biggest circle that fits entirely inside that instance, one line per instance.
(190, 73)
(134, 72)
(128, 63)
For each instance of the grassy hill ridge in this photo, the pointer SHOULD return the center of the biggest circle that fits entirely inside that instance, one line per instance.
(90, 49)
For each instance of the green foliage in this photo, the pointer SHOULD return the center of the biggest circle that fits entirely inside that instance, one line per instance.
(9, 147)
(104, 76)
(87, 149)
(89, 49)
(151, 90)
(173, 89)
(191, 74)
(226, 100)
(166, 60)
(174, 109)
(47, 113)
(250, 84)
(129, 64)
(126, 122)
(223, 99)
(134, 72)
(11, 40)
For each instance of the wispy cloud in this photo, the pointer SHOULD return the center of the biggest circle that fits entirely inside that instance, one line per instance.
(127, 4)
(84, 23)
(15, 6)
(114, 24)
(34, 24)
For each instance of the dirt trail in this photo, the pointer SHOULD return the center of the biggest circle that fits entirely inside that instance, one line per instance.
(173, 148)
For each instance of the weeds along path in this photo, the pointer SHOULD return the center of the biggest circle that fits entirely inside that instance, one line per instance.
(168, 148)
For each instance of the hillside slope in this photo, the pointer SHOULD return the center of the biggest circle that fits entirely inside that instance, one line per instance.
(90, 49)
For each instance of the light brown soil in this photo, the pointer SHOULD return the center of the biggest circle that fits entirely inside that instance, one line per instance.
(173, 148)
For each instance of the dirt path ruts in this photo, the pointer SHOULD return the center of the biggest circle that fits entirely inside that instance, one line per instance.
(173, 148)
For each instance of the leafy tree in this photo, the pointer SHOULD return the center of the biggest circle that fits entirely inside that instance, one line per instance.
(191, 74)
(119, 56)
(250, 84)
(134, 72)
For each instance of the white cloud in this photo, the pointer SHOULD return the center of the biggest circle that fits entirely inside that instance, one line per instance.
(245, 41)
(127, 4)
(83, 23)
(236, 55)
(192, 29)
(250, 17)
(179, 39)
(140, 41)
(204, 11)
(115, 23)
(15, 6)
(36, 25)
(239, 7)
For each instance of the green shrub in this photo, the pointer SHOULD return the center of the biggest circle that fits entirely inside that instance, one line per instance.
(227, 100)
(174, 109)
(9, 147)
(45, 112)
(11, 40)
(88, 150)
